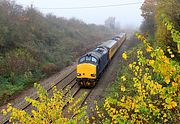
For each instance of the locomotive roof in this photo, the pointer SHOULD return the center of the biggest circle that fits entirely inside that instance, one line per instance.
(120, 35)
(108, 43)
(97, 52)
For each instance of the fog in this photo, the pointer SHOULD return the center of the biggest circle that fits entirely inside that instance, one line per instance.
(127, 12)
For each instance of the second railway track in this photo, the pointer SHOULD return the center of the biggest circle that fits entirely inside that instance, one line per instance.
(69, 79)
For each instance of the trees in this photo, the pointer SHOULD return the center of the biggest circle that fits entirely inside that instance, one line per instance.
(148, 13)
(171, 8)
(32, 42)
(152, 11)
(112, 24)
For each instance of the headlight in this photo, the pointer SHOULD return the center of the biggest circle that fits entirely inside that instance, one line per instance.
(78, 74)
(93, 75)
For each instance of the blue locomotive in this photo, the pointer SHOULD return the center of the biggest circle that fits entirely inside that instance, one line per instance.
(91, 65)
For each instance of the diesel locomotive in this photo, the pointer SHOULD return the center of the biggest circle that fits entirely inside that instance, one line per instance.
(92, 64)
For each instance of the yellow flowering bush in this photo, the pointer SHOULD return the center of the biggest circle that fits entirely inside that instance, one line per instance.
(155, 93)
(49, 109)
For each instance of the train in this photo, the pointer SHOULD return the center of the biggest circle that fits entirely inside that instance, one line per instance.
(92, 64)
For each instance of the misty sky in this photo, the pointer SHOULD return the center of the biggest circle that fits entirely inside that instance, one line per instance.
(127, 15)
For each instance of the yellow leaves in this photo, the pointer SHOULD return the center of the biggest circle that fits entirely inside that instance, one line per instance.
(130, 66)
(174, 84)
(151, 62)
(46, 109)
(149, 49)
(123, 78)
(139, 37)
(170, 104)
(123, 99)
(137, 68)
(164, 115)
(4, 112)
(147, 69)
(165, 120)
(151, 94)
(113, 111)
(167, 79)
(173, 104)
(9, 106)
(133, 105)
(139, 52)
(151, 106)
(172, 55)
(144, 41)
(122, 88)
(93, 117)
(124, 55)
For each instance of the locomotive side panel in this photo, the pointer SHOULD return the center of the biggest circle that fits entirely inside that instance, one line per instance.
(102, 63)
(112, 50)
(120, 39)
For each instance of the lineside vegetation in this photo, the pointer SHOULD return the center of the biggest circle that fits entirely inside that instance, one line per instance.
(149, 93)
(34, 46)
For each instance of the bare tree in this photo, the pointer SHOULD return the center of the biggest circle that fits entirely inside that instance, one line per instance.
(110, 23)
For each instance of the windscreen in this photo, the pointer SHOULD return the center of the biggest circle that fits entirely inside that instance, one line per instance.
(88, 59)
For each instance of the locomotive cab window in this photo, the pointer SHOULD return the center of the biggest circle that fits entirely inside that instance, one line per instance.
(94, 59)
(88, 58)
(82, 59)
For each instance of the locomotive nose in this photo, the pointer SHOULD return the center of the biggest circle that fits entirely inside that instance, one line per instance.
(86, 70)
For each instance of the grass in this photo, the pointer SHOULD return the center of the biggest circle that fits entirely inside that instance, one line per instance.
(11, 85)
(124, 70)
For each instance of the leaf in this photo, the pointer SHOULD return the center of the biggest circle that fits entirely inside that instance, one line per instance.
(124, 55)
(169, 27)
(168, 100)
(123, 88)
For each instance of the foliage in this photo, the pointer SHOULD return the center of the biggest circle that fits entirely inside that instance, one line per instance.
(49, 109)
(112, 24)
(150, 93)
(174, 33)
(17, 61)
(171, 8)
(49, 68)
(31, 42)
(148, 13)
(13, 84)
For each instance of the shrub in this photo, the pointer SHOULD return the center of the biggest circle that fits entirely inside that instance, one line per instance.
(49, 109)
(49, 68)
(154, 94)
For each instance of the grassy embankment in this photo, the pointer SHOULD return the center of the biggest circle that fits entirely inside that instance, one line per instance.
(34, 46)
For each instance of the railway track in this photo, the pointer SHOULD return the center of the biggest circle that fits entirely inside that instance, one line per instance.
(69, 80)
(77, 94)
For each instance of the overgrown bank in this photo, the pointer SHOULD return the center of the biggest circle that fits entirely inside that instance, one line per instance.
(33, 45)
(144, 92)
